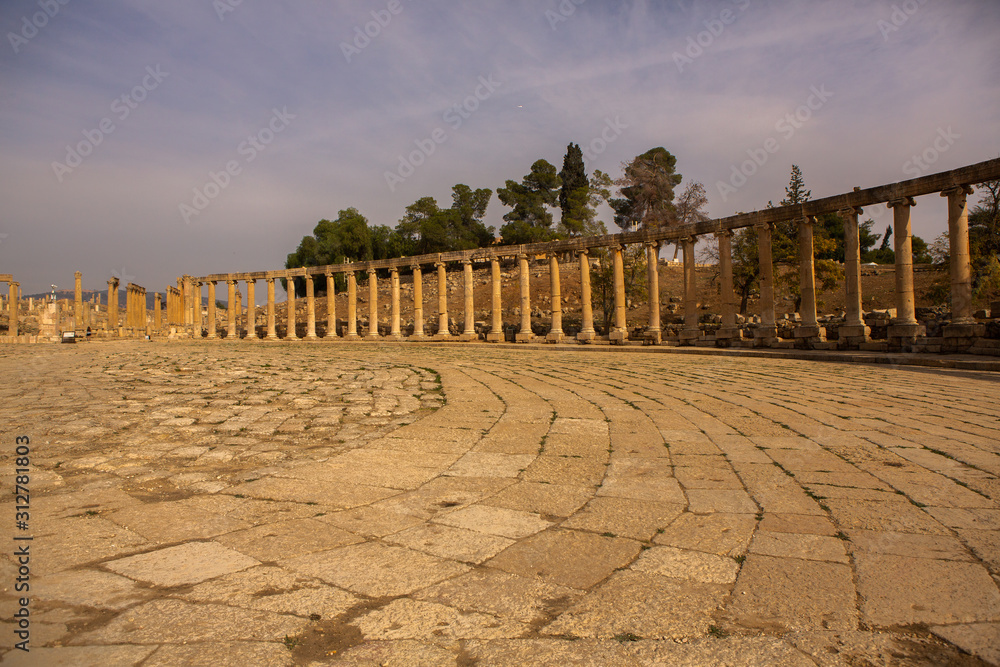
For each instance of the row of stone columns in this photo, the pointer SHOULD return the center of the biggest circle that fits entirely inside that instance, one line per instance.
(135, 307)
(904, 327)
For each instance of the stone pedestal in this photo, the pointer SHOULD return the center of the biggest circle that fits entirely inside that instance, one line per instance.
(959, 337)
(765, 336)
(902, 335)
(852, 335)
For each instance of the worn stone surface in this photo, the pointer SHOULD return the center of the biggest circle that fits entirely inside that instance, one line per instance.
(296, 504)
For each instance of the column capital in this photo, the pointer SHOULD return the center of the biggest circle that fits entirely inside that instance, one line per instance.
(522, 255)
(370, 271)
(761, 226)
(806, 220)
(439, 264)
(583, 251)
(902, 201)
(415, 267)
(230, 281)
(652, 244)
(728, 233)
(466, 262)
(269, 280)
(394, 270)
(850, 210)
(958, 189)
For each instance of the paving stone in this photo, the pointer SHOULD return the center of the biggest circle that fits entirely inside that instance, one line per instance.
(726, 534)
(566, 557)
(641, 604)
(83, 539)
(376, 569)
(90, 588)
(781, 594)
(637, 519)
(799, 545)
(177, 622)
(691, 565)
(413, 619)
(703, 501)
(495, 521)
(900, 590)
(980, 639)
(174, 522)
(79, 656)
(490, 591)
(468, 546)
(286, 539)
(222, 653)
(188, 563)
(549, 499)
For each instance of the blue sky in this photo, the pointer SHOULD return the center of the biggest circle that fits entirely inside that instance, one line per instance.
(308, 126)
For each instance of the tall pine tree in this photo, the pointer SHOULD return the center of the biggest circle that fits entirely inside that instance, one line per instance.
(574, 195)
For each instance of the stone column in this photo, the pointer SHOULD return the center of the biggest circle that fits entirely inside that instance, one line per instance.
(728, 331)
(618, 333)
(555, 334)
(903, 330)
(211, 310)
(128, 306)
(653, 331)
(853, 331)
(231, 310)
(352, 307)
(372, 305)
(251, 323)
(469, 332)
(157, 313)
(690, 332)
(331, 306)
(960, 264)
(443, 332)
(809, 331)
(496, 326)
(291, 333)
(524, 335)
(587, 332)
(272, 332)
(394, 332)
(194, 291)
(418, 302)
(13, 307)
(766, 333)
(112, 306)
(78, 301)
(310, 308)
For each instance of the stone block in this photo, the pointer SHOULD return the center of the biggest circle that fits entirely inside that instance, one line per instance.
(964, 331)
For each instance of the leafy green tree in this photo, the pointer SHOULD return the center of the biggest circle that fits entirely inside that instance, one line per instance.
(530, 219)
(574, 193)
(647, 191)
(425, 228)
(984, 243)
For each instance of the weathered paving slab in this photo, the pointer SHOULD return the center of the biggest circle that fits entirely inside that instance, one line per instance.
(339, 504)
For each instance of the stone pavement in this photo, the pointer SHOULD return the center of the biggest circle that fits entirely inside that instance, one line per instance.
(338, 504)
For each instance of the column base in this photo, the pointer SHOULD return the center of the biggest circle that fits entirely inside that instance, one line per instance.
(373, 337)
(765, 336)
(586, 336)
(729, 333)
(618, 337)
(963, 330)
(854, 331)
(492, 337)
(903, 335)
(394, 337)
(687, 336)
(271, 337)
(467, 336)
(443, 336)
(418, 335)
(311, 336)
(652, 337)
(810, 331)
(524, 337)
(292, 338)
(555, 337)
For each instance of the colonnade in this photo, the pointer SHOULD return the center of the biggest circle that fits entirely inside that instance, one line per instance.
(904, 329)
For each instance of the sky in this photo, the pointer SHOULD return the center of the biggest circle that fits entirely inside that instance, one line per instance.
(147, 140)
